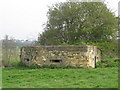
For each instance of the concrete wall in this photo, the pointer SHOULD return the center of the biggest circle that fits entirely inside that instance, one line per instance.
(80, 56)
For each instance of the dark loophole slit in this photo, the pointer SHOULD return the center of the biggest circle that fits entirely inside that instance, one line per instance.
(56, 61)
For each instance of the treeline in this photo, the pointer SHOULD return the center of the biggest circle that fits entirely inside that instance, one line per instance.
(78, 23)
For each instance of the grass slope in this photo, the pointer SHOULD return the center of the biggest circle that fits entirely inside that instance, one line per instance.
(60, 78)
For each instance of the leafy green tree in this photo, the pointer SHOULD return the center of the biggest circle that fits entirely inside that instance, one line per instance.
(84, 22)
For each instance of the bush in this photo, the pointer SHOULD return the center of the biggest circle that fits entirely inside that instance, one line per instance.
(108, 63)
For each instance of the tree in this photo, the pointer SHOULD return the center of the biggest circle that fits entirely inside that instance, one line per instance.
(72, 22)
(8, 49)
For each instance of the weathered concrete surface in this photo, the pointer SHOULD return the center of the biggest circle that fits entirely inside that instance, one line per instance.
(73, 55)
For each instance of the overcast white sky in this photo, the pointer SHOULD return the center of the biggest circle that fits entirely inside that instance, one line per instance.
(24, 19)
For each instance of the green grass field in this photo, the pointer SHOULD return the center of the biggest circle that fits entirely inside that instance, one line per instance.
(104, 76)
(60, 78)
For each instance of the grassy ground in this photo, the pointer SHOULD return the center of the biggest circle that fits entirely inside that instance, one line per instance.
(60, 78)
(104, 76)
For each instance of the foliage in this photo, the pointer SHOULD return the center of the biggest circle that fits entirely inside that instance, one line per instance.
(108, 49)
(73, 22)
(108, 63)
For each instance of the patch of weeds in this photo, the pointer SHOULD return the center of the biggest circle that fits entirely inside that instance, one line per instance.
(108, 63)
(20, 64)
